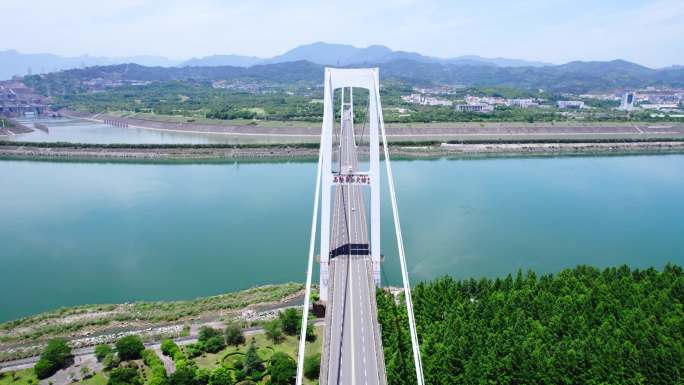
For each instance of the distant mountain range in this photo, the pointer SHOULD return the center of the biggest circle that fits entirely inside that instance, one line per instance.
(15, 63)
(346, 55)
(573, 77)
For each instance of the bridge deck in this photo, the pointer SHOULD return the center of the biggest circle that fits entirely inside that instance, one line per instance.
(352, 347)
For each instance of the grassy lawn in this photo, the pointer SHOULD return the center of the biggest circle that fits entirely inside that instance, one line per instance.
(265, 348)
(257, 110)
(98, 379)
(19, 377)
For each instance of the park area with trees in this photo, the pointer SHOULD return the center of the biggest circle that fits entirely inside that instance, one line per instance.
(579, 326)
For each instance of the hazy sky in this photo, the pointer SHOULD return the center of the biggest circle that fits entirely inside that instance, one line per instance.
(647, 32)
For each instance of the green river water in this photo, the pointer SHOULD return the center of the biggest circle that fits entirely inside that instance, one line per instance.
(79, 232)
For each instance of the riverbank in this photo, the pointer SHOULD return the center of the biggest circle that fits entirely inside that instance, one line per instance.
(247, 126)
(88, 325)
(408, 150)
(11, 127)
(299, 131)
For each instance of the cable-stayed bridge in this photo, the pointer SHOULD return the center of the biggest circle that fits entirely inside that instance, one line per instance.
(349, 243)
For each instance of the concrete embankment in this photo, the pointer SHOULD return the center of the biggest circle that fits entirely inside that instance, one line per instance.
(292, 152)
(7, 149)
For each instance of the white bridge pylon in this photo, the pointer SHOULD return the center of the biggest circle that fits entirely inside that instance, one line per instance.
(336, 78)
(326, 178)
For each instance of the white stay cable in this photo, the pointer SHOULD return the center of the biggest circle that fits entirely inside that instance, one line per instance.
(309, 270)
(400, 245)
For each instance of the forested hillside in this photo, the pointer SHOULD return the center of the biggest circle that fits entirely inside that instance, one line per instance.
(580, 326)
(575, 77)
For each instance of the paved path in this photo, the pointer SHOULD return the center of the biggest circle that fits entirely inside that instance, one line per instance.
(169, 365)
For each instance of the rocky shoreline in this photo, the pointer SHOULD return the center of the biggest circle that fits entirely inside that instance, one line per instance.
(88, 325)
(294, 152)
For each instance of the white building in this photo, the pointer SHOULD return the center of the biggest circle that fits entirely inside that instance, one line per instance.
(627, 103)
(475, 107)
(522, 103)
(426, 100)
(661, 107)
(570, 104)
(493, 100)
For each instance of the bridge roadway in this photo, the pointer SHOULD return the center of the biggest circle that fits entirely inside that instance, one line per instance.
(353, 348)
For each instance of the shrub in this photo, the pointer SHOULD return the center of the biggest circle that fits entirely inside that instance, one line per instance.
(169, 348)
(124, 376)
(202, 376)
(240, 375)
(221, 376)
(206, 333)
(274, 330)
(283, 369)
(290, 320)
(215, 344)
(86, 372)
(310, 334)
(156, 366)
(195, 350)
(312, 366)
(183, 376)
(186, 331)
(129, 347)
(44, 368)
(234, 335)
(101, 351)
(111, 361)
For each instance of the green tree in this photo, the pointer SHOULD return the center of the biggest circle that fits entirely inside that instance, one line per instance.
(310, 333)
(111, 361)
(124, 376)
(214, 344)
(252, 362)
(274, 330)
(581, 325)
(45, 368)
(157, 368)
(195, 350)
(207, 332)
(169, 348)
(55, 356)
(183, 376)
(202, 376)
(234, 335)
(129, 347)
(101, 351)
(312, 366)
(283, 369)
(221, 376)
(290, 321)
